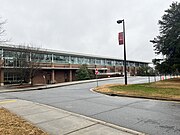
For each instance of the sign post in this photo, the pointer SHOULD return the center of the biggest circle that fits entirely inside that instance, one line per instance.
(96, 73)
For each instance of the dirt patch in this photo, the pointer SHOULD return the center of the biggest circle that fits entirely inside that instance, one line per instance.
(172, 83)
(11, 124)
(106, 90)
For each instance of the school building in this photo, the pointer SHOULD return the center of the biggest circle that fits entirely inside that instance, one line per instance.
(58, 66)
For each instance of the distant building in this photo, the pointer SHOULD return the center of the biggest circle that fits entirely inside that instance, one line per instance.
(59, 66)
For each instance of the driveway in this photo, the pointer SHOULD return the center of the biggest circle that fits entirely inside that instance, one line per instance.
(148, 116)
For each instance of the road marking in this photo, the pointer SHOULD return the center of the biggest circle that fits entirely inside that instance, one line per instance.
(7, 101)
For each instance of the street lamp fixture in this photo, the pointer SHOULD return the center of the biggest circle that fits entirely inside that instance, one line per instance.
(120, 21)
(125, 72)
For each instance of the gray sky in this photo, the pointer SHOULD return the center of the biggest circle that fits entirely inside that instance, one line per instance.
(85, 26)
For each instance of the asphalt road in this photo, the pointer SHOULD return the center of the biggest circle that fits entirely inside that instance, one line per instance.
(148, 116)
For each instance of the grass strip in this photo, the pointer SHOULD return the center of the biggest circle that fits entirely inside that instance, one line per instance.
(167, 89)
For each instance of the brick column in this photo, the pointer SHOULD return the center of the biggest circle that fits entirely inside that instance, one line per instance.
(135, 70)
(130, 70)
(1, 77)
(52, 77)
(52, 70)
(70, 73)
(115, 70)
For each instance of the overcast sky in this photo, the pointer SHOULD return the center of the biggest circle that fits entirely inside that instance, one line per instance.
(85, 26)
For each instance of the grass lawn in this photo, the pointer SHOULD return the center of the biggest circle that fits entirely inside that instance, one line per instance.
(167, 89)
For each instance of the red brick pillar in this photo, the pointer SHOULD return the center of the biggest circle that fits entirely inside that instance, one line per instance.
(52, 77)
(135, 69)
(1, 77)
(70, 75)
(52, 71)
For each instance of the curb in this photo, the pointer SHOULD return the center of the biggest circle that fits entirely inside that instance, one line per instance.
(134, 96)
(57, 85)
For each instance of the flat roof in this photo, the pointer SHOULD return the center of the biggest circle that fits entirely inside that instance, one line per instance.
(23, 47)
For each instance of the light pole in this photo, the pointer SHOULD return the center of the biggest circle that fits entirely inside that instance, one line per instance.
(125, 72)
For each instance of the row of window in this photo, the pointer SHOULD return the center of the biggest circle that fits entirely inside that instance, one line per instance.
(12, 58)
(11, 77)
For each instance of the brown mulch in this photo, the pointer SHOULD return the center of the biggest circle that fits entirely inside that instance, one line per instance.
(11, 124)
(22, 86)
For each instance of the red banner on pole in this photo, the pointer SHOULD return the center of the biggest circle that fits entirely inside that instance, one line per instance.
(121, 38)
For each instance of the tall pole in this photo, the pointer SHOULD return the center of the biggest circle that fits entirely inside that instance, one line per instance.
(125, 72)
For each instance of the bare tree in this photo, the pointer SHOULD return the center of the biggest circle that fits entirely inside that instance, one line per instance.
(2, 31)
(28, 62)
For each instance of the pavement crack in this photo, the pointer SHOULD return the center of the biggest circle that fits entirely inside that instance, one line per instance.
(36, 113)
(138, 122)
(89, 98)
(53, 119)
(126, 105)
(80, 129)
(106, 111)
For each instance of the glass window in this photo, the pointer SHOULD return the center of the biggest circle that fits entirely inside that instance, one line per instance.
(74, 60)
(14, 59)
(136, 64)
(92, 61)
(1, 52)
(86, 61)
(108, 62)
(98, 62)
(102, 62)
(9, 62)
(61, 59)
(113, 62)
(46, 57)
(38, 57)
(132, 64)
(80, 60)
(11, 77)
(118, 63)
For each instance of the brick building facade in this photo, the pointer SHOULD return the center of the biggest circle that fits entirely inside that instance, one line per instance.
(57, 66)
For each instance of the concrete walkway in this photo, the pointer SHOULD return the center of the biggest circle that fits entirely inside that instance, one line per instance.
(5, 89)
(59, 122)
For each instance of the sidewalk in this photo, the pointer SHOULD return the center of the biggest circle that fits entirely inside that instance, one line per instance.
(3, 90)
(59, 122)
